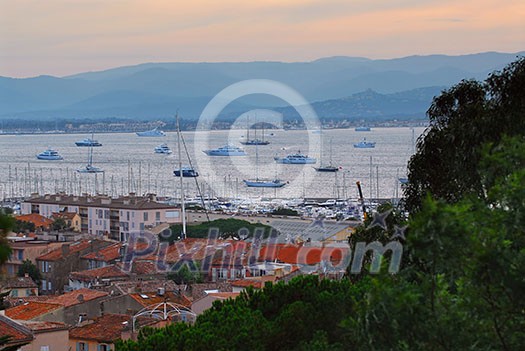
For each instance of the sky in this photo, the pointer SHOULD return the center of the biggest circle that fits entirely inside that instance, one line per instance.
(62, 37)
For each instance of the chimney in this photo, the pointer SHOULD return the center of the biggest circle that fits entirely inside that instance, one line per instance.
(26, 275)
(65, 249)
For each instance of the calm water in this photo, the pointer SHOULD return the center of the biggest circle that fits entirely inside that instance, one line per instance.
(131, 165)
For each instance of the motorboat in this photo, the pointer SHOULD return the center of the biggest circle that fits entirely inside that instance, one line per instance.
(152, 133)
(228, 150)
(49, 155)
(362, 129)
(363, 144)
(255, 142)
(264, 183)
(187, 172)
(295, 159)
(162, 149)
(89, 142)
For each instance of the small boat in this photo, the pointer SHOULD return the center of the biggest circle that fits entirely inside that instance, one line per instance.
(152, 133)
(295, 159)
(264, 183)
(228, 150)
(88, 142)
(89, 168)
(187, 172)
(363, 144)
(329, 167)
(362, 129)
(162, 149)
(49, 155)
(403, 180)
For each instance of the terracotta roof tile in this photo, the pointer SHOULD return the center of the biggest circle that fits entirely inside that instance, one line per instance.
(77, 296)
(303, 255)
(30, 310)
(244, 283)
(42, 327)
(58, 254)
(19, 282)
(106, 254)
(107, 272)
(18, 333)
(153, 298)
(106, 328)
(35, 218)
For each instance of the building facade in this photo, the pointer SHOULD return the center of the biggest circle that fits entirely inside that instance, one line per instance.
(103, 215)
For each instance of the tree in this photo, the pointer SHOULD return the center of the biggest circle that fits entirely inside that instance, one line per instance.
(463, 119)
(59, 224)
(6, 224)
(31, 270)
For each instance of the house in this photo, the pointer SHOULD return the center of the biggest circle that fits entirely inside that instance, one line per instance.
(72, 307)
(35, 310)
(207, 301)
(96, 277)
(103, 257)
(40, 222)
(103, 215)
(19, 286)
(47, 335)
(101, 333)
(27, 249)
(56, 265)
(17, 333)
(71, 219)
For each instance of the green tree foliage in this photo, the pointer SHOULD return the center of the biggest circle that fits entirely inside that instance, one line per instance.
(463, 119)
(6, 224)
(227, 228)
(23, 226)
(30, 269)
(186, 275)
(59, 224)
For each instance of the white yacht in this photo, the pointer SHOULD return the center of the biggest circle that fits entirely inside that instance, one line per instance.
(295, 159)
(228, 150)
(152, 133)
(50, 155)
(162, 149)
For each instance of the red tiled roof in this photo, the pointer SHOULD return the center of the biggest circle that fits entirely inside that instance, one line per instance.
(30, 310)
(106, 328)
(153, 298)
(244, 283)
(36, 219)
(19, 282)
(106, 254)
(99, 273)
(42, 327)
(18, 333)
(144, 268)
(308, 255)
(77, 296)
(58, 254)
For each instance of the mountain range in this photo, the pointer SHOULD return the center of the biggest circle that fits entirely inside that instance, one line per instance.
(337, 87)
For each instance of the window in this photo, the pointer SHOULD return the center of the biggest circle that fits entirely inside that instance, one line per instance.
(127, 215)
(103, 347)
(145, 216)
(157, 216)
(20, 254)
(142, 226)
(172, 214)
(222, 273)
(49, 286)
(44, 284)
(14, 293)
(44, 348)
(46, 267)
(82, 346)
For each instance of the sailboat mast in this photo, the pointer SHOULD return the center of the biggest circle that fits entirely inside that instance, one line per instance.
(182, 205)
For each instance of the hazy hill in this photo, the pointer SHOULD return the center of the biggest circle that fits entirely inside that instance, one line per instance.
(156, 90)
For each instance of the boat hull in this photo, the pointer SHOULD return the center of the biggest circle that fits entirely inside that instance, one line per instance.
(85, 144)
(295, 162)
(49, 158)
(327, 169)
(186, 173)
(224, 153)
(264, 183)
(255, 142)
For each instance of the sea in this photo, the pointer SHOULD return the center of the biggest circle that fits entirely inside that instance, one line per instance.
(131, 166)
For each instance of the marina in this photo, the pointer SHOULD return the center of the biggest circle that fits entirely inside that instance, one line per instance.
(129, 166)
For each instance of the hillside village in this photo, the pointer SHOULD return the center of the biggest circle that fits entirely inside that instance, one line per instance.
(102, 270)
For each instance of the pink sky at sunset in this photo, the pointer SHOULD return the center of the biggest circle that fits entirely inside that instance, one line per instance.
(60, 37)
